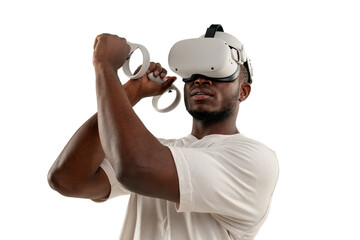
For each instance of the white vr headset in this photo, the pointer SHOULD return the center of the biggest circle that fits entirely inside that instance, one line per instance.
(216, 56)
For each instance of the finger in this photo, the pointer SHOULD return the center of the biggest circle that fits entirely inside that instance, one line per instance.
(98, 37)
(95, 42)
(138, 69)
(163, 73)
(151, 67)
(157, 70)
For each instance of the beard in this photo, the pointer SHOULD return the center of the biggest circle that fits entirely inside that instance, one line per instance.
(231, 103)
(214, 116)
(229, 107)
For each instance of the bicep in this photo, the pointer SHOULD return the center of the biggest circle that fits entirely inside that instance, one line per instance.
(76, 172)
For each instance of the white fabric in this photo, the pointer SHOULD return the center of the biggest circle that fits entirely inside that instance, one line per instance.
(226, 184)
(116, 188)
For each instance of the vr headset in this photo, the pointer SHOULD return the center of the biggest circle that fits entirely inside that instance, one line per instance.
(216, 56)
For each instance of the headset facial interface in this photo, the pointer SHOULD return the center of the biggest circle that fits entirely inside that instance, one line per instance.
(216, 56)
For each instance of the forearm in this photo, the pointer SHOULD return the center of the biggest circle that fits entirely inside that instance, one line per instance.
(124, 138)
(76, 172)
(85, 139)
(141, 163)
(130, 88)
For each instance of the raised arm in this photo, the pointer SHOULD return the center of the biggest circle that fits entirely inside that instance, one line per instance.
(76, 172)
(140, 161)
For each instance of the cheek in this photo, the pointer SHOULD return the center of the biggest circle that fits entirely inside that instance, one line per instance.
(186, 94)
(230, 97)
(186, 90)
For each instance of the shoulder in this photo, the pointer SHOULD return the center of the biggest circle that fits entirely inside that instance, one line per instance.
(250, 154)
(180, 142)
(239, 143)
(235, 143)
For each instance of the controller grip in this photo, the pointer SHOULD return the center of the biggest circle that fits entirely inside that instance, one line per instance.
(155, 99)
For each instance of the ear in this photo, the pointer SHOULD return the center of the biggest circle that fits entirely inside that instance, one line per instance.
(245, 89)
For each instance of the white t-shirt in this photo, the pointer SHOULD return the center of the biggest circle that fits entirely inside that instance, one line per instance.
(226, 184)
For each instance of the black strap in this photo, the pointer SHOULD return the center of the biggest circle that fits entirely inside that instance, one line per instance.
(210, 32)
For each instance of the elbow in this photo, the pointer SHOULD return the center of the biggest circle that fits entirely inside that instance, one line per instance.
(128, 175)
(56, 181)
(127, 181)
(121, 175)
(59, 182)
(53, 179)
(123, 178)
(121, 168)
(136, 171)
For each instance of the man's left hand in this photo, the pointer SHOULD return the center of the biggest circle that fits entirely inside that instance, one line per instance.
(147, 88)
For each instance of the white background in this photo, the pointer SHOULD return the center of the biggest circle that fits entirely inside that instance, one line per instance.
(304, 104)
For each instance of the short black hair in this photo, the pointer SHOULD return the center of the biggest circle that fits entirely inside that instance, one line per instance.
(245, 73)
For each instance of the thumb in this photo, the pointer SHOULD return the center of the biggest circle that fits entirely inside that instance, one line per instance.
(167, 84)
(169, 81)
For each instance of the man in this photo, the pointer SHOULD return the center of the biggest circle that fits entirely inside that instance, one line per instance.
(212, 184)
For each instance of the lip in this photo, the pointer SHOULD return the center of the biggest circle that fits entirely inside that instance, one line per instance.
(201, 92)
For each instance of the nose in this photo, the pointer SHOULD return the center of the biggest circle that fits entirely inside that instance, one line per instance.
(201, 81)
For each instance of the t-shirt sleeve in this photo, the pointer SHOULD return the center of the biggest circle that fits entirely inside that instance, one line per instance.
(117, 188)
(235, 182)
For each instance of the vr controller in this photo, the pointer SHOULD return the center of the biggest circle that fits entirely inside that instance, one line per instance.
(143, 70)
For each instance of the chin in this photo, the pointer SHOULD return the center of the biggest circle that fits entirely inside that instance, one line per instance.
(210, 116)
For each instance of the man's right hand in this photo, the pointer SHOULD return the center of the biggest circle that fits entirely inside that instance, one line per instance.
(110, 50)
(143, 87)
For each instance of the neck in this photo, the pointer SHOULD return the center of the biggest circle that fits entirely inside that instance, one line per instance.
(226, 126)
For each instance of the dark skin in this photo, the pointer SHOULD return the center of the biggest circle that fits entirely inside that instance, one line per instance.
(141, 163)
(207, 95)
